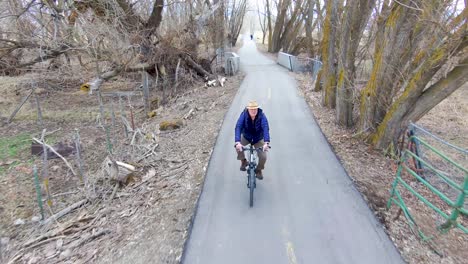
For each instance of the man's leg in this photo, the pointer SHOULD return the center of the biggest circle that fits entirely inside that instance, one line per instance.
(241, 154)
(262, 157)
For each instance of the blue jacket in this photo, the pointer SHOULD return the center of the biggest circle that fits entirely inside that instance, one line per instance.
(252, 131)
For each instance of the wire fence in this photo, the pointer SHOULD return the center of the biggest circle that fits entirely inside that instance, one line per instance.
(455, 153)
(430, 187)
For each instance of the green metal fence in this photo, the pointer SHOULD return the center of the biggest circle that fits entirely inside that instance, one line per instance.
(417, 168)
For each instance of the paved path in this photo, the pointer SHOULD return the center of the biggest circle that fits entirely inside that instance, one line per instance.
(306, 210)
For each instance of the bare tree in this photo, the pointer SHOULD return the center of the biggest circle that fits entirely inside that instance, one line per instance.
(321, 21)
(419, 58)
(262, 20)
(310, 25)
(291, 38)
(393, 37)
(114, 36)
(356, 15)
(436, 67)
(218, 25)
(289, 26)
(282, 9)
(236, 16)
(270, 29)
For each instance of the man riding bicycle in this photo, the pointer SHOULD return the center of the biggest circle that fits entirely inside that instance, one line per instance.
(252, 128)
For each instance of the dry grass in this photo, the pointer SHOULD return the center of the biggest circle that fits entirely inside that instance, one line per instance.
(164, 197)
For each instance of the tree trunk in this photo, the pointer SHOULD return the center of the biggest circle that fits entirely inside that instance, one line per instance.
(218, 35)
(262, 23)
(318, 85)
(236, 20)
(270, 32)
(155, 18)
(320, 20)
(198, 68)
(309, 28)
(404, 40)
(278, 30)
(328, 72)
(415, 100)
(242, 10)
(292, 37)
(393, 47)
(291, 28)
(356, 15)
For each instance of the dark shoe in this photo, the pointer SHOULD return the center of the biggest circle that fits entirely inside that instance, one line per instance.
(244, 164)
(258, 174)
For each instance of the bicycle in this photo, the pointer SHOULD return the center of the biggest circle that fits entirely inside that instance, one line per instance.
(252, 165)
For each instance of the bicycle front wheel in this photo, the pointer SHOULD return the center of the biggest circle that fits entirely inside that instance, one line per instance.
(251, 186)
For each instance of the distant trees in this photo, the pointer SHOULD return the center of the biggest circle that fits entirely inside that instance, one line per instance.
(236, 14)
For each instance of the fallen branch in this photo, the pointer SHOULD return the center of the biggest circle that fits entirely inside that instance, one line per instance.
(114, 191)
(175, 171)
(189, 114)
(125, 165)
(214, 57)
(19, 106)
(87, 238)
(150, 174)
(174, 160)
(63, 194)
(44, 242)
(98, 81)
(128, 127)
(177, 77)
(65, 211)
(52, 132)
(134, 136)
(56, 153)
(14, 259)
(148, 153)
(50, 234)
(52, 53)
(199, 69)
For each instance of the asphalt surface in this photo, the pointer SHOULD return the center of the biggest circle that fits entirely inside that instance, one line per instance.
(306, 210)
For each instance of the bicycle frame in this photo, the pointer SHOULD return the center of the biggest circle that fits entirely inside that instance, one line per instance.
(252, 157)
(251, 177)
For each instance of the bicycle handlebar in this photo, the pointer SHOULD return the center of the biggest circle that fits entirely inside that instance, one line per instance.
(244, 148)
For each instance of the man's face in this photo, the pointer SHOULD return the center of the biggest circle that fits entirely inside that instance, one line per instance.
(252, 113)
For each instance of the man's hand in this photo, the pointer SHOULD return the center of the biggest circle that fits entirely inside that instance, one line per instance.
(266, 146)
(238, 146)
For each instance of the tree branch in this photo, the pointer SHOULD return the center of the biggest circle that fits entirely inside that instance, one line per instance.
(98, 81)
(440, 90)
(131, 20)
(52, 54)
(20, 44)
